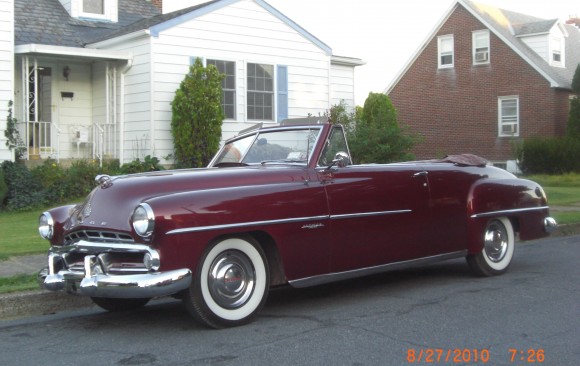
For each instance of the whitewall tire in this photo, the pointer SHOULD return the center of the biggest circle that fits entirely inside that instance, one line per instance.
(231, 284)
(498, 248)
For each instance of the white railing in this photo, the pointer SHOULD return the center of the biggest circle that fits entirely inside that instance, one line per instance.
(103, 141)
(40, 139)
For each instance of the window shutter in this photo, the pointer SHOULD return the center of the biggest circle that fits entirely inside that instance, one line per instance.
(282, 88)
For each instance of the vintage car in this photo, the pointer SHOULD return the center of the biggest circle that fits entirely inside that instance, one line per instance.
(276, 206)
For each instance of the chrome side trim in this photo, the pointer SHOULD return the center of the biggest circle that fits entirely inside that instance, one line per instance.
(339, 276)
(502, 212)
(246, 224)
(367, 214)
(284, 221)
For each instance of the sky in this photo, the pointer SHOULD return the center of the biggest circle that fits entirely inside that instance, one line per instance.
(386, 34)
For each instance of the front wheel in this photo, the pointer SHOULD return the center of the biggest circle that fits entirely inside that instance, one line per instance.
(498, 249)
(231, 283)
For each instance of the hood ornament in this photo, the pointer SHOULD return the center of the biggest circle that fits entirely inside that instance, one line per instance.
(104, 180)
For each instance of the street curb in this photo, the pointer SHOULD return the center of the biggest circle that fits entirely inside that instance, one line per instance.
(30, 303)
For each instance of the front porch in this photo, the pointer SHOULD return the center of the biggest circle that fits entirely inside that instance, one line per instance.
(67, 102)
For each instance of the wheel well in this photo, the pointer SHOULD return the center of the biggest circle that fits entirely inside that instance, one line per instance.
(277, 276)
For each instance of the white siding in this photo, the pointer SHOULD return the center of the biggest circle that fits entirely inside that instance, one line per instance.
(246, 33)
(136, 109)
(539, 44)
(342, 85)
(6, 69)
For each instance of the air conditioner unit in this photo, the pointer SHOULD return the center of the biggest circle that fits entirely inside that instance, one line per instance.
(510, 129)
(481, 56)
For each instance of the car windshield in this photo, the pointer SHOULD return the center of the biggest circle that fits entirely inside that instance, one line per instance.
(293, 146)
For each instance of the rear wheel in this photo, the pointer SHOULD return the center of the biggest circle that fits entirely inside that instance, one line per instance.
(113, 304)
(498, 248)
(231, 284)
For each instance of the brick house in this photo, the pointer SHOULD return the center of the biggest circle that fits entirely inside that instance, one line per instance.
(486, 78)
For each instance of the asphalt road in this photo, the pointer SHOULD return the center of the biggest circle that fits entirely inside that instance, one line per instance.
(396, 318)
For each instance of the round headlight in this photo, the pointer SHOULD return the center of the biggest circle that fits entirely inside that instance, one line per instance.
(143, 220)
(46, 226)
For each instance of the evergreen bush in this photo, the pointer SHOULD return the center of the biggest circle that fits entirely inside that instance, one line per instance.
(549, 155)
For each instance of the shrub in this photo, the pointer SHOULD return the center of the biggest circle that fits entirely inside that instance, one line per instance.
(549, 156)
(24, 191)
(3, 188)
(149, 164)
(197, 115)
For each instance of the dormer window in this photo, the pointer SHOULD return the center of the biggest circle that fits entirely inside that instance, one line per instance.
(94, 7)
(556, 51)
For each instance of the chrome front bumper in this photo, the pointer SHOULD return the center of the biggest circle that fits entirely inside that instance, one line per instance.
(92, 279)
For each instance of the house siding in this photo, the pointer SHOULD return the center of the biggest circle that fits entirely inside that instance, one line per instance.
(6, 70)
(455, 110)
(342, 85)
(243, 32)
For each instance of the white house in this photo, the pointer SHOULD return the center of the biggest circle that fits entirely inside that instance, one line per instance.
(6, 69)
(95, 78)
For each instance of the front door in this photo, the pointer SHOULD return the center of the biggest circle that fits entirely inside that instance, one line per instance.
(40, 105)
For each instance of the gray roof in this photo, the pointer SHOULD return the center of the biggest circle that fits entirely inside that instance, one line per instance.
(47, 22)
(519, 25)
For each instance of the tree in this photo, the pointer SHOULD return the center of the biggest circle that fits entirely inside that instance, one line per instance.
(196, 124)
(378, 138)
(574, 115)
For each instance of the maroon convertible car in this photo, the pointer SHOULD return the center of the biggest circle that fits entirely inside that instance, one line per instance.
(282, 205)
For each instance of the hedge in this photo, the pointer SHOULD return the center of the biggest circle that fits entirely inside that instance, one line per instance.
(549, 155)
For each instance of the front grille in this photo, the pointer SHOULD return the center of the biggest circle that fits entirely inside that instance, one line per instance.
(98, 237)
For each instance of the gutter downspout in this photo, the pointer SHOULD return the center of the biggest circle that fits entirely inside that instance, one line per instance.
(122, 111)
(151, 99)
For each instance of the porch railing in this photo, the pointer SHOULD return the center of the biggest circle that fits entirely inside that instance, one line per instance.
(104, 145)
(41, 139)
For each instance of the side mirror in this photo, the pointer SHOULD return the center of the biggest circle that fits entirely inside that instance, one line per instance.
(341, 159)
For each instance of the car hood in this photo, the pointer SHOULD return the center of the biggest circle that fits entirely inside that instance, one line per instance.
(110, 205)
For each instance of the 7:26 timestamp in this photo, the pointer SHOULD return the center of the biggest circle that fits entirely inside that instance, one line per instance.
(530, 355)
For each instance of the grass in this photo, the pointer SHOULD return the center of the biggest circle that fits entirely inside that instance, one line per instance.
(20, 234)
(18, 283)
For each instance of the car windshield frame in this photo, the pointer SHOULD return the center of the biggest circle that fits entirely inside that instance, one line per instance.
(242, 150)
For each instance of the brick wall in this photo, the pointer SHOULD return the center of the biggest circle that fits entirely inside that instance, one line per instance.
(456, 109)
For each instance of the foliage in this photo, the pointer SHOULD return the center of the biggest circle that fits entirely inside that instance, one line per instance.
(51, 183)
(574, 114)
(3, 188)
(549, 155)
(576, 80)
(24, 192)
(13, 139)
(197, 116)
(378, 138)
(149, 164)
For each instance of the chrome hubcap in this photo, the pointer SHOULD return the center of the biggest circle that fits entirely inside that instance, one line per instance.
(231, 279)
(496, 241)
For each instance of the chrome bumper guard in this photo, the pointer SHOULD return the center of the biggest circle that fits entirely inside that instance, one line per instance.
(550, 224)
(93, 281)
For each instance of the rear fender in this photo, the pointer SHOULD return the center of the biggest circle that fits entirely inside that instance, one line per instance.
(522, 201)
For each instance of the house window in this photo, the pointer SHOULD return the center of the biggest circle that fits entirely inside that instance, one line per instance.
(508, 116)
(94, 7)
(556, 48)
(260, 92)
(445, 51)
(228, 68)
(480, 47)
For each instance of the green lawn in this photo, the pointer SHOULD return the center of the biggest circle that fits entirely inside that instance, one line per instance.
(20, 234)
(18, 283)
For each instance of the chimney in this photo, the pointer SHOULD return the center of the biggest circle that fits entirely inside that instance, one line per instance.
(158, 4)
(574, 20)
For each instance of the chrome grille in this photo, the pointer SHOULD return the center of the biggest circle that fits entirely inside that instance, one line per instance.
(98, 237)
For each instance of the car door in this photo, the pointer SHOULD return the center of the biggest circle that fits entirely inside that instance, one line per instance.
(378, 213)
